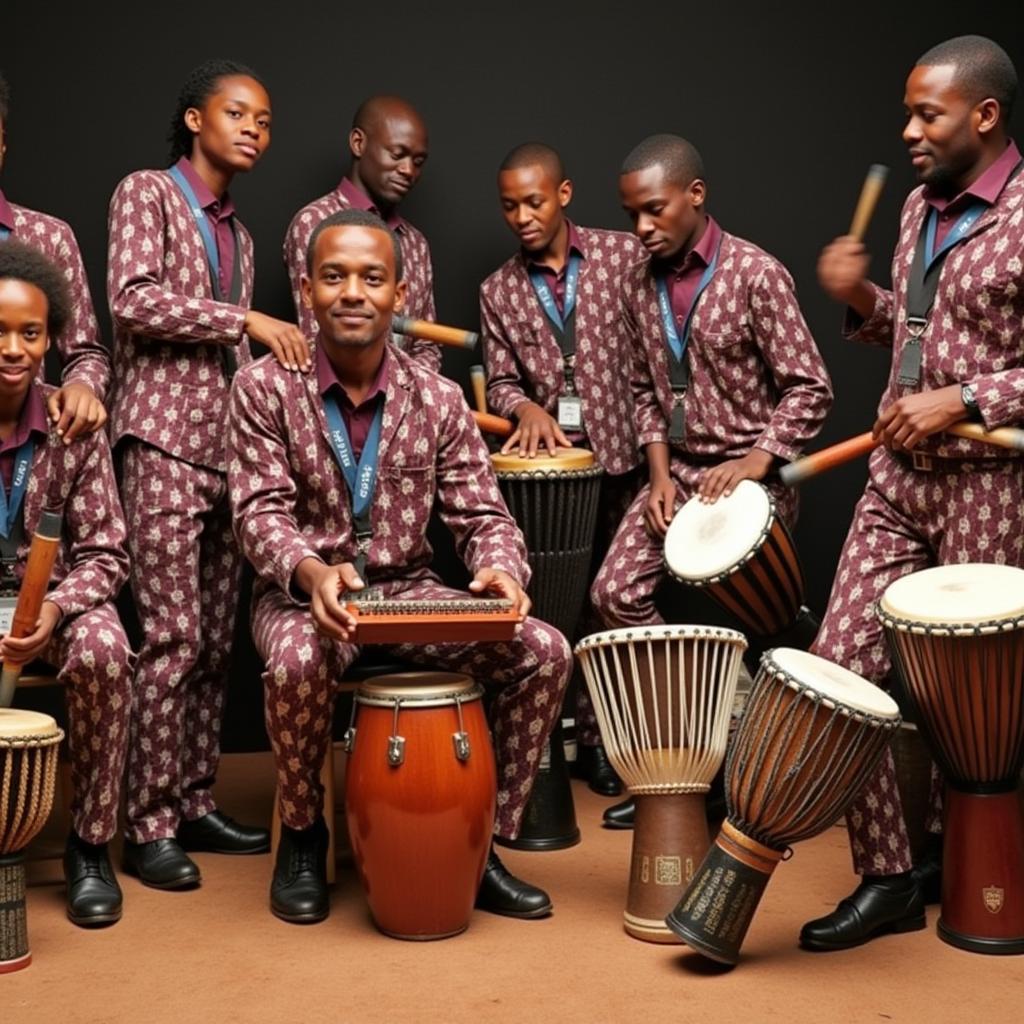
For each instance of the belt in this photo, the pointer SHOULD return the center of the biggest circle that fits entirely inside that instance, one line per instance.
(923, 463)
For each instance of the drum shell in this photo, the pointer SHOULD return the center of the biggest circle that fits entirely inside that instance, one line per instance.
(421, 831)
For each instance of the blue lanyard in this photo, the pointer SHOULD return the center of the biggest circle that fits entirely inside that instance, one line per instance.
(547, 300)
(202, 222)
(361, 477)
(4, 232)
(956, 233)
(19, 484)
(677, 346)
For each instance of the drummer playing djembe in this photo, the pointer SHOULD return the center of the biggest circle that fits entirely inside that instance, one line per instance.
(294, 517)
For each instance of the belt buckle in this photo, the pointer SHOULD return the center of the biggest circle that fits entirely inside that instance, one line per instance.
(921, 462)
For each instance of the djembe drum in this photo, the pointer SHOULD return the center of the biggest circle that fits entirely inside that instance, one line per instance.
(957, 634)
(554, 501)
(420, 796)
(28, 769)
(810, 736)
(663, 696)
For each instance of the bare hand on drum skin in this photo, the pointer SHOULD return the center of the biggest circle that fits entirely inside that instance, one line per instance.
(661, 504)
(285, 340)
(325, 584)
(911, 419)
(499, 583)
(842, 273)
(722, 480)
(33, 646)
(536, 429)
(76, 411)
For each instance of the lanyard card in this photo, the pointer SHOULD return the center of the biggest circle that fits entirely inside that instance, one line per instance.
(7, 606)
(570, 412)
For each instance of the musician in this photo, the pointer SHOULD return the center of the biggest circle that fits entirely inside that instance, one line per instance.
(389, 147)
(77, 406)
(180, 285)
(554, 352)
(930, 498)
(293, 516)
(78, 629)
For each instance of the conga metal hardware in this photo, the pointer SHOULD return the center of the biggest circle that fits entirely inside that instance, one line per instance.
(396, 743)
(460, 739)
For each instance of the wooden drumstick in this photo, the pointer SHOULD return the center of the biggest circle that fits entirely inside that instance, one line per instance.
(42, 553)
(494, 424)
(479, 381)
(846, 451)
(869, 193)
(437, 333)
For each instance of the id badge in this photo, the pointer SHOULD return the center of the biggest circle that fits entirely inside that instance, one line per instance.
(570, 412)
(7, 606)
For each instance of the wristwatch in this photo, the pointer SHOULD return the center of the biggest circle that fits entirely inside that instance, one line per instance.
(970, 402)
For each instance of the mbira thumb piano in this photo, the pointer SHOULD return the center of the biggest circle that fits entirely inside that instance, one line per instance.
(382, 620)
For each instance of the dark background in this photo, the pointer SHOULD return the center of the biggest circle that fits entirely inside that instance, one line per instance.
(789, 104)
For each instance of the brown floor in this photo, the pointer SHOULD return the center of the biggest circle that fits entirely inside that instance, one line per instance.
(217, 954)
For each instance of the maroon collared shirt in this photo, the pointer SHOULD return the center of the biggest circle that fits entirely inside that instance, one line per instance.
(359, 200)
(219, 212)
(555, 279)
(33, 420)
(684, 278)
(6, 214)
(987, 188)
(358, 418)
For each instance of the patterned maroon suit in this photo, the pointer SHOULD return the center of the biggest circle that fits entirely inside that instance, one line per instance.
(89, 646)
(756, 380)
(169, 415)
(418, 272)
(524, 363)
(291, 502)
(967, 507)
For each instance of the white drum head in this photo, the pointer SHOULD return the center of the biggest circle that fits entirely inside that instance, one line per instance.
(838, 685)
(704, 541)
(22, 724)
(957, 595)
(635, 634)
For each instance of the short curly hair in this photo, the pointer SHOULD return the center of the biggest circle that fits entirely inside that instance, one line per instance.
(20, 262)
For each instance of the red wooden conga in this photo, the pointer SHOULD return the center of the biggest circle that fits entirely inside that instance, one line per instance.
(420, 793)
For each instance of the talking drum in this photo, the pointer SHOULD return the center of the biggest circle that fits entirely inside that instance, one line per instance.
(740, 550)
(420, 794)
(554, 500)
(28, 768)
(663, 696)
(810, 736)
(957, 634)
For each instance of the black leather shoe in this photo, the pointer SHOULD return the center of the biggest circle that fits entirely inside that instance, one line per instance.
(162, 864)
(502, 893)
(298, 890)
(94, 897)
(880, 905)
(593, 765)
(928, 871)
(217, 833)
(620, 815)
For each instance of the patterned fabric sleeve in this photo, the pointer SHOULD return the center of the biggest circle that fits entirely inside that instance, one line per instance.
(504, 383)
(295, 244)
(877, 329)
(426, 353)
(650, 420)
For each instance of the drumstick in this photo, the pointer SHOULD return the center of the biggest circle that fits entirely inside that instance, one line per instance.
(846, 451)
(438, 333)
(494, 424)
(41, 555)
(869, 193)
(479, 381)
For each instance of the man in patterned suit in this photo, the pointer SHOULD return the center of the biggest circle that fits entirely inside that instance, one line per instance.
(554, 351)
(180, 274)
(78, 629)
(389, 148)
(930, 498)
(77, 406)
(412, 433)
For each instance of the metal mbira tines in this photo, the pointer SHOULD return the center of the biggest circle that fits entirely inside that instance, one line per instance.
(385, 620)
(810, 736)
(28, 768)
(957, 634)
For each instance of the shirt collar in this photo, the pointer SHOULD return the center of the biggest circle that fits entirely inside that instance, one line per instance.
(704, 250)
(327, 378)
(988, 186)
(207, 200)
(574, 244)
(359, 200)
(33, 420)
(6, 213)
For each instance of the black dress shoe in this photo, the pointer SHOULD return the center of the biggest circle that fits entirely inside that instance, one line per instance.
(928, 871)
(298, 890)
(94, 897)
(621, 815)
(502, 893)
(162, 864)
(880, 905)
(217, 833)
(593, 765)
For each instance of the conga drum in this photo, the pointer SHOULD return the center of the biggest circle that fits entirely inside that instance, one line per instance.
(420, 795)
(957, 635)
(741, 552)
(663, 696)
(810, 736)
(28, 769)
(554, 501)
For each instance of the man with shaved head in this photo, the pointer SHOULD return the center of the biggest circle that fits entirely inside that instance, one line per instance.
(389, 146)
(953, 321)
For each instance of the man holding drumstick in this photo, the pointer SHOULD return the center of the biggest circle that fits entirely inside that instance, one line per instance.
(953, 320)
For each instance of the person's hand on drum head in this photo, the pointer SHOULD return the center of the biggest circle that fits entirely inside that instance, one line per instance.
(325, 584)
(498, 583)
(722, 479)
(536, 429)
